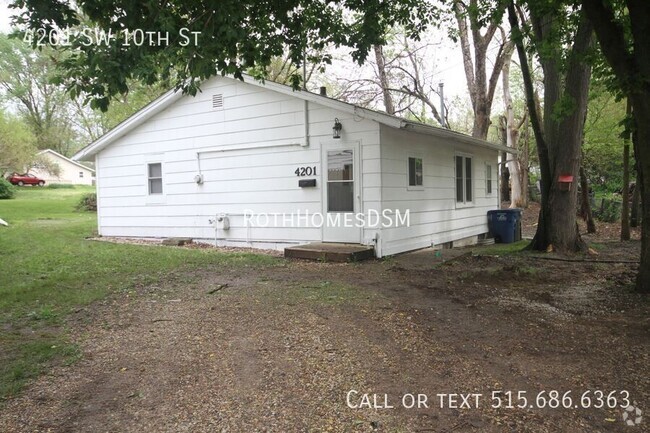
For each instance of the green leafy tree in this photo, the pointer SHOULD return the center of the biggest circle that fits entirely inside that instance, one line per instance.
(561, 37)
(622, 28)
(478, 21)
(17, 149)
(232, 36)
(26, 81)
(603, 145)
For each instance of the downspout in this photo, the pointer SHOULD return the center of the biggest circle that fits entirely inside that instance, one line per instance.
(306, 118)
(305, 102)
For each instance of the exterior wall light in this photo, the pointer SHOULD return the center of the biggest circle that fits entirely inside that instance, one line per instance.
(336, 129)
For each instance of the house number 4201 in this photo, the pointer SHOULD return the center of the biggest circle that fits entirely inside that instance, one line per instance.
(305, 171)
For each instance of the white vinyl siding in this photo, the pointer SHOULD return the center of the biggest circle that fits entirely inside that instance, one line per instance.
(435, 217)
(248, 153)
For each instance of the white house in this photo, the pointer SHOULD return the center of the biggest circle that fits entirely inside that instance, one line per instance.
(69, 171)
(252, 164)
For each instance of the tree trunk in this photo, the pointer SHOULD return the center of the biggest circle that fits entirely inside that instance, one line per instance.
(481, 88)
(383, 79)
(516, 199)
(630, 61)
(625, 211)
(560, 139)
(636, 205)
(585, 205)
(512, 141)
(505, 178)
(524, 157)
(641, 143)
(481, 125)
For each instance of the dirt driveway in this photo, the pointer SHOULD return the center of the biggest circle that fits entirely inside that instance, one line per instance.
(280, 350)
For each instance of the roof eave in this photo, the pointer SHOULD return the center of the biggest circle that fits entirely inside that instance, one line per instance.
(446, 133)
(55, 153)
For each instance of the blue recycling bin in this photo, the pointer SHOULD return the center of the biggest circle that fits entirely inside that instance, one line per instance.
(505, 225)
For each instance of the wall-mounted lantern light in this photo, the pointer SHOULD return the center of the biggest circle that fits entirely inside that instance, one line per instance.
(336, 129)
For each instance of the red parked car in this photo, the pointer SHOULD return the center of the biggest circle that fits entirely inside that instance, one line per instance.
(25, 179)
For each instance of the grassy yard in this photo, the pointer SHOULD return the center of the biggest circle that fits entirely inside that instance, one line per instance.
(48, 270)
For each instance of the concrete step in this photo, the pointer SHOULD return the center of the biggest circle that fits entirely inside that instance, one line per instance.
(330, 252)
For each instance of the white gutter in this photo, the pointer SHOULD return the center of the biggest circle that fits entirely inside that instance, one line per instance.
(445, 133)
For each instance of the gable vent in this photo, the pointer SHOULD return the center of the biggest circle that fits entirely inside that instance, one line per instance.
(217, 101)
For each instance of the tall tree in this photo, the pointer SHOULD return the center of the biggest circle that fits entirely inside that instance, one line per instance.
(472, 18)
(17, 149)
(622, 31)
(603, 146)
(512, 127)
(26, 81)
(401, 81)
(562, 39)
(383, 79)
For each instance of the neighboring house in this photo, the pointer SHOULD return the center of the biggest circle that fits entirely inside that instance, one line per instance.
(70, 171)
(211, 167)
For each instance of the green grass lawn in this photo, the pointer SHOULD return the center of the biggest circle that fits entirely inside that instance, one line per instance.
(48, 269)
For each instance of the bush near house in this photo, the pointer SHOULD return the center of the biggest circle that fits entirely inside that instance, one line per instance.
(60, 186)
(607, 210)
(88, 203)
(7, 190)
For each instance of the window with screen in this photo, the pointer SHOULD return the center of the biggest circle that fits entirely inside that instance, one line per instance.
(415, 171)
(155, 178)
(464, 181)
(488, 179)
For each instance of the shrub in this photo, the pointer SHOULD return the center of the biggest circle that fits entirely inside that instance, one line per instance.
(607, 210)
(88, 202)
(60, 186)
(7, 190)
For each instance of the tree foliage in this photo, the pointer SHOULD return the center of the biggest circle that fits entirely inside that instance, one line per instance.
(234, 35)
(561, 37)
(603, 145)
(7, 190)
(26, 83)
(621, 27)
(17, 149)
(478, 21)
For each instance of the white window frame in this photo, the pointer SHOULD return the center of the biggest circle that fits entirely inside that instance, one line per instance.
(489, 168)
(410, 187)
(154, 198)
(150, 178)
(465, 202)
(81, 175)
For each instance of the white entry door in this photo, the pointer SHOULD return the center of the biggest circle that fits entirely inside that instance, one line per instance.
(341, 192)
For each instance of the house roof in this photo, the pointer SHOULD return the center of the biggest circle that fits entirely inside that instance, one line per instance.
(173, 95)
(58, 155)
